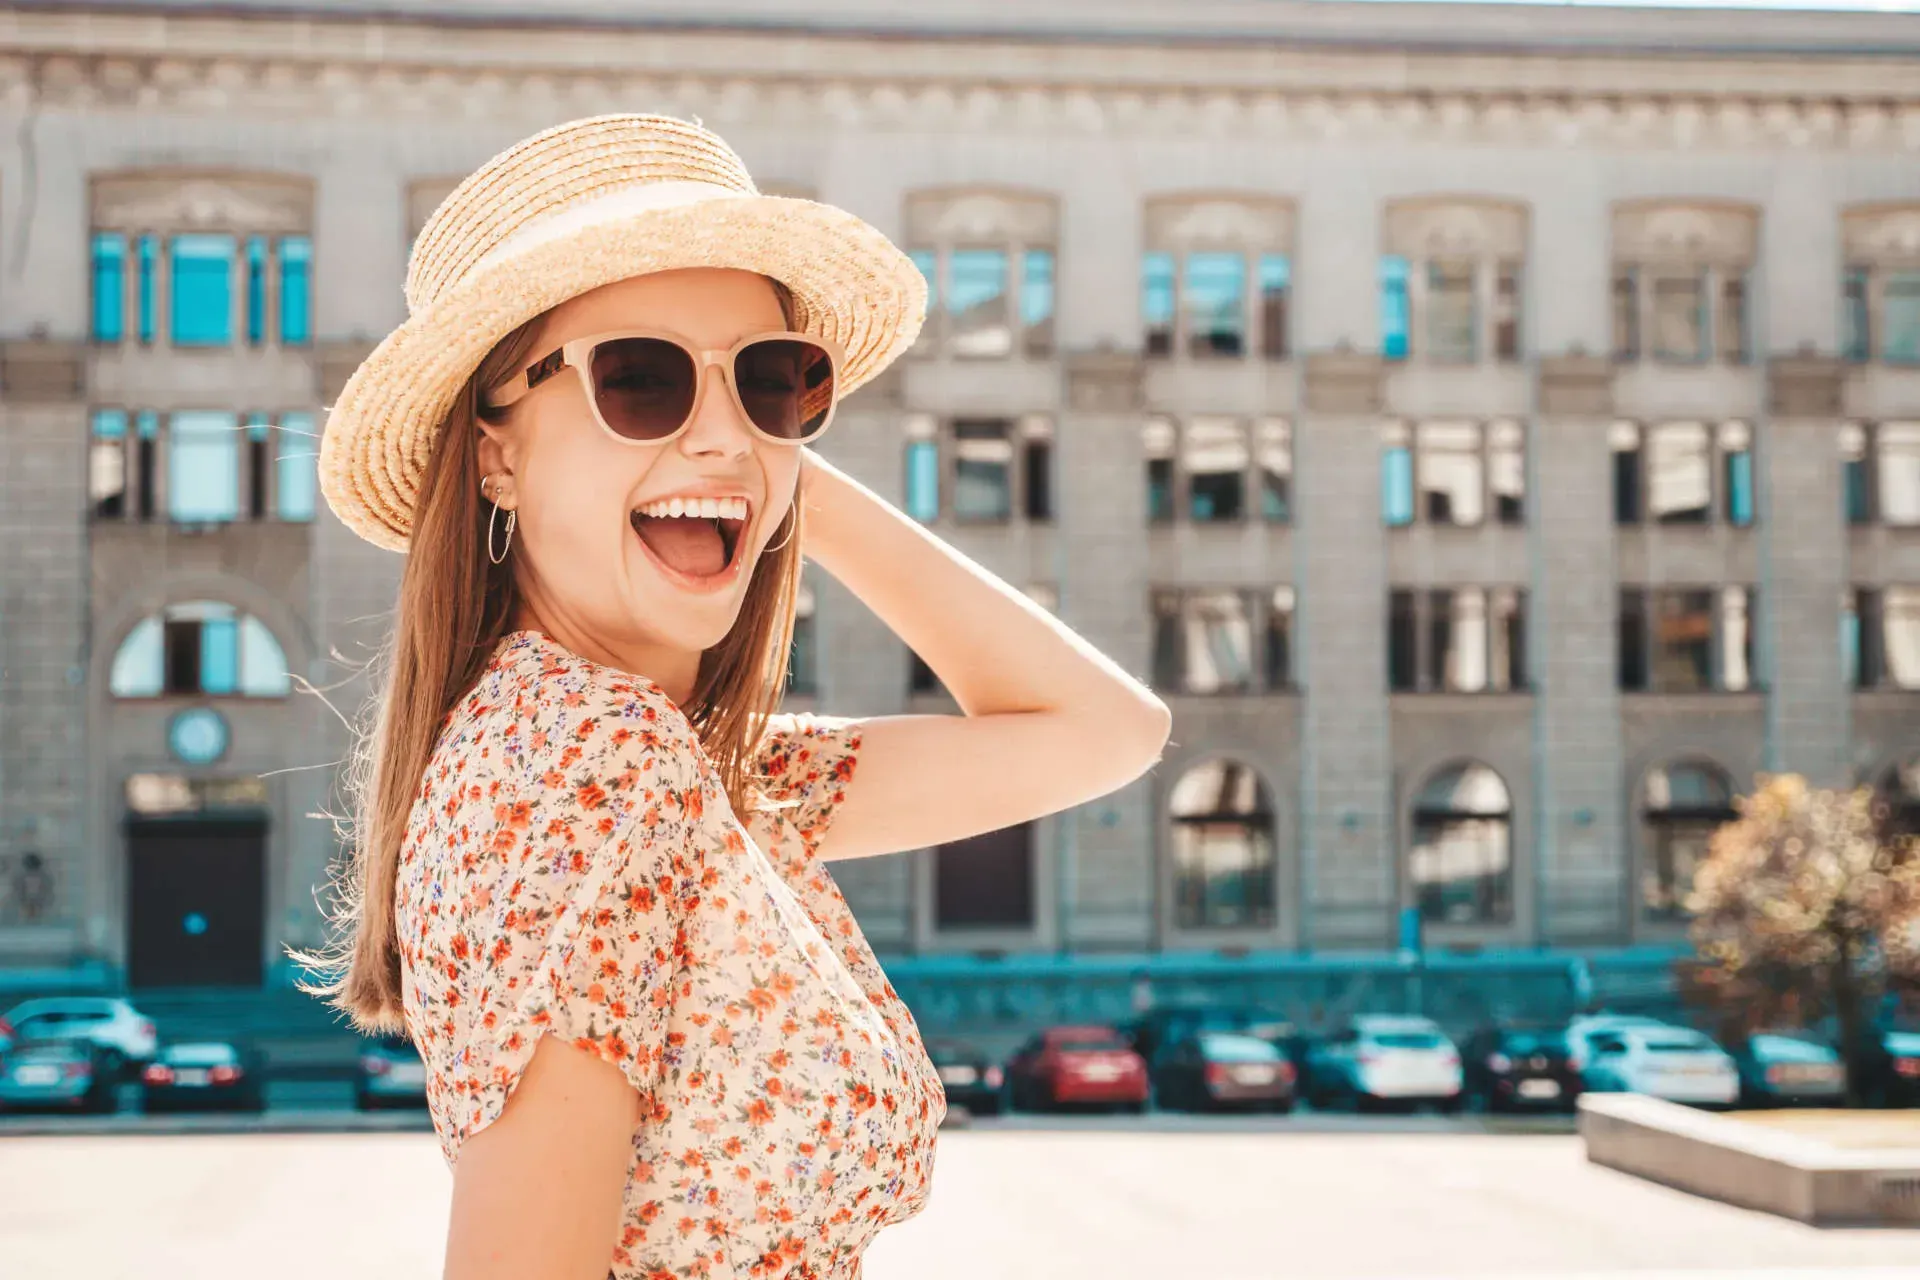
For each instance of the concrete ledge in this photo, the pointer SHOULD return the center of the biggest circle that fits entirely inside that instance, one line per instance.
(1750, 1165)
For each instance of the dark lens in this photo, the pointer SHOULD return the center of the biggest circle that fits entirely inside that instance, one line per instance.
(644, 386)
(787, 387)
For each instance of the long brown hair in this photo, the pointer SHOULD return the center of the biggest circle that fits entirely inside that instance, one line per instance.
(454, 607)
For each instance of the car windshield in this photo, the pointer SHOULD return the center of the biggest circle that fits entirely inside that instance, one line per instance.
(1534, 1042)
(1406, 1040)
(1090, 1044)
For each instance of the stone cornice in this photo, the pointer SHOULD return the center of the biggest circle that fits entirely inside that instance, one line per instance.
(393, 69)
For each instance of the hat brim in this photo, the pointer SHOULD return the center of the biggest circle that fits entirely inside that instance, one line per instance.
(849, 283)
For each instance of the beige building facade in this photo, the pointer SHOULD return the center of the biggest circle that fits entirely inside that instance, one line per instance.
(1495, 431)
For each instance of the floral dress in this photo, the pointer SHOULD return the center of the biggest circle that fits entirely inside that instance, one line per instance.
(572, 868)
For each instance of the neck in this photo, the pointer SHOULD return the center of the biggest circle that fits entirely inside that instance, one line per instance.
(674, 670)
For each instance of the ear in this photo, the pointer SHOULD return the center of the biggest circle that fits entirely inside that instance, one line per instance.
(496, 453)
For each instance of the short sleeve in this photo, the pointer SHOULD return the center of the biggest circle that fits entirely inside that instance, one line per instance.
(590, 912)
(804, 763)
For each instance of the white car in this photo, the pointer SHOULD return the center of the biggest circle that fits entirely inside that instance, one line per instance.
(127, 1035)
(1663, 1062)
(1582, 1030)
(1385, 1058)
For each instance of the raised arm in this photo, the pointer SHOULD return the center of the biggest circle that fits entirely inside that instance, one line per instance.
(1050, 721)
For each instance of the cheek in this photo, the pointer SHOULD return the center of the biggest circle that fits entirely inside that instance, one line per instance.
(782, 469)
(575, 485)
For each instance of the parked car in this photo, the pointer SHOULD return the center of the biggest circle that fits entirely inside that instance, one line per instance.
(1377, 1060)
(1067, 1066)
(390, 1074)
(1663, 1062)
(1162, 1024)
(1208, 1070)
(971, 1080)
(1891, 1069)
(204, 1075)
(58, 1074)
(1509, 1067)
(127, 1036)
(1582, 1029)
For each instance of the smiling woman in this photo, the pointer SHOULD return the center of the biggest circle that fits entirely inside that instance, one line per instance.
(589, 881)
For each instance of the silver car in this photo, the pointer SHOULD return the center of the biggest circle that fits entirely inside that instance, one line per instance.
(55, 1075)
(125, 1036)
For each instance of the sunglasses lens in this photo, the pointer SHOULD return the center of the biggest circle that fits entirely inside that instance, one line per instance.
(786, 386)
(643, 386)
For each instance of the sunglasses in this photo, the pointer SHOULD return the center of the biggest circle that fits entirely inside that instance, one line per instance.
(643, 384)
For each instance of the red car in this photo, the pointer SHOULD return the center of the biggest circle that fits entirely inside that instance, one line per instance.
(1072, 1066)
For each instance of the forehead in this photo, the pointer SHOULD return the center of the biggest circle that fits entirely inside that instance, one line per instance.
(712, 307)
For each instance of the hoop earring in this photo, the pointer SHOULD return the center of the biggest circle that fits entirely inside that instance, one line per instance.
(792, 520)
(511, 516)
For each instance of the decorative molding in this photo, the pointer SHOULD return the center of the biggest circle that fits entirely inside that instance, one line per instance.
(1575, 386)
(1805, 386)
(1105, 382)
(41, 371)
(1686, 233)
(1232, 222)
(1882, 235)
(984, 217)
(1345, 383)
(1429, 227)
(168, 201)
(423, 197)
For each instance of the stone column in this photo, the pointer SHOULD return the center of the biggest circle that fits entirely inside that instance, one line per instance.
(1582, 861)
(43, 646)
(1103, 860)
(1347, 793)
(1803, 569)
(862, 664)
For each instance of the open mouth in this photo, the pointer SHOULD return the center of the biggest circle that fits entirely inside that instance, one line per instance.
(696, 537)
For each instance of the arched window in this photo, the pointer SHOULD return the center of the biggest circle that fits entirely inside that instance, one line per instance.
(1461, 861)
(1685, 804)
(203, 648)
(1901, 788)
(1223, 854)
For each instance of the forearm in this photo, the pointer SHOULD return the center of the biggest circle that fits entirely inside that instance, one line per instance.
(996, 651)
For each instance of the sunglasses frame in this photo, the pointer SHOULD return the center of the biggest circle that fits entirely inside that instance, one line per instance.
(578, 353)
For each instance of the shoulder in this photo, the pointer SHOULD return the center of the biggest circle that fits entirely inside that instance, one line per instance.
(803, 765)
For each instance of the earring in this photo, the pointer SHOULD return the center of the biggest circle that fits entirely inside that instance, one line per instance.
(792, 520)
(511, 518)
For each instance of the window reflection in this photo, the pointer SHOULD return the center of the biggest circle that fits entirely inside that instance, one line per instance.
(977, 303)
(1679, 473)
(1215, 457)
(1452, 484)
(1460, 862)
(1215, 296)
(1451, 316)
(1223, 847)
(1685, 805)
(1680, 318)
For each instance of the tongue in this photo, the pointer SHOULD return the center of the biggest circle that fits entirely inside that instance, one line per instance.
(687, 543)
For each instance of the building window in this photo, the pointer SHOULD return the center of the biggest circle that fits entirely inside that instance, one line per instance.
(1680, 281)
(1506, 313)
(200, 648)
(203, 467)
(803, 661)
(1856, 315)
(213, 281)
(107, 465)
(1216, 278)
(989, 259)
(1457, 640)
(1452, 321)
(1900, 788)
(1667, 473)
(1881, 637)
(109, 286)
(296, 480)
(1222, 641)
(1881, 473)
(1460, 862)
(201, 267)
(1685, 804)
(296, 291)
(999, 466)
(147, 266)
(985, 881)
(1224, 873)
(1686, 639)
(1449, 279)
(1460, 469)
(1396, 309)
(1214, 465)
(1626, 315)
(215, 469)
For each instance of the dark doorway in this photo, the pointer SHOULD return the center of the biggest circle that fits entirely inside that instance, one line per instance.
(196, 901)
(985, 881)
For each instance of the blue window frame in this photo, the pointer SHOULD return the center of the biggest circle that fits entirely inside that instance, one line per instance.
(1396, 308)
(263, 663)
(296, 290)
(139, 664)
(297, 488)
(1036, 300)
(148, 264)
(109, 286)
(203, 467)
(220, 656)
(923, 480)
(1396, 484)
(1740, 488)
(202, 290)
(256, 290)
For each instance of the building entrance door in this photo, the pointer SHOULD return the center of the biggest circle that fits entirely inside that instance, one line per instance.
(196, 900)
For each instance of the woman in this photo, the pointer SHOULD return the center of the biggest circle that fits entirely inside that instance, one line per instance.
(588, 882)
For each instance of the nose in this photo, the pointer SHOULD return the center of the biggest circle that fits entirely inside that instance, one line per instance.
(718, 430)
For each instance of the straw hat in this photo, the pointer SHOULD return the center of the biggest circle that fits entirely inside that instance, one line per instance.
(566, 211)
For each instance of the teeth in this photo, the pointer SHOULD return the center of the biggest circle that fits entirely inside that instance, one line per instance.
(700, 508)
